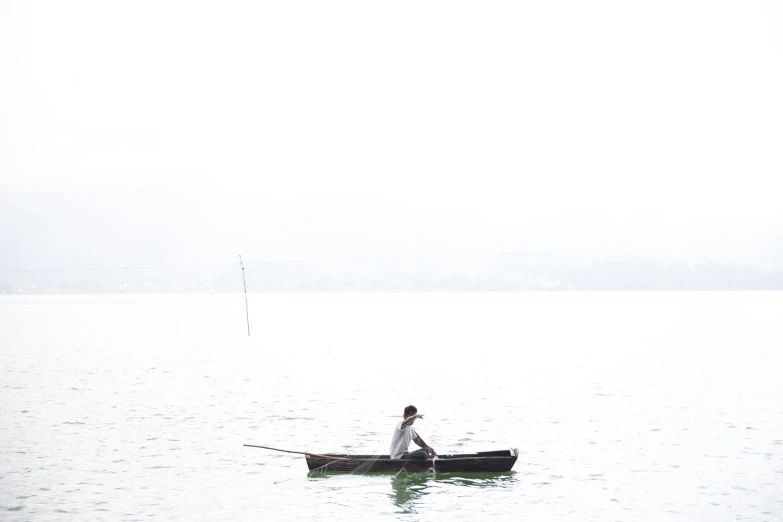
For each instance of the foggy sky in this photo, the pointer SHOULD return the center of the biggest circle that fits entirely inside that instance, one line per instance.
(172, 131)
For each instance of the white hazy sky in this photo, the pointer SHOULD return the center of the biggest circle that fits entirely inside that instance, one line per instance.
(171, 130)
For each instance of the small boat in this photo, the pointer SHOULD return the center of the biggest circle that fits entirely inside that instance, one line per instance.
(483, 461)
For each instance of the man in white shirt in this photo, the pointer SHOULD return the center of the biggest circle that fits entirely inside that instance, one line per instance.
(403, 435)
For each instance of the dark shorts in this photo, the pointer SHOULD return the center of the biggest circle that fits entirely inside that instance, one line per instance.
(421, 454)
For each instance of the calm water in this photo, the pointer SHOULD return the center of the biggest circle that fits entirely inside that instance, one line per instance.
(625, 406)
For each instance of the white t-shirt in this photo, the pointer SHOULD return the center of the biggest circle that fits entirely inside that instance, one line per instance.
(401, 439)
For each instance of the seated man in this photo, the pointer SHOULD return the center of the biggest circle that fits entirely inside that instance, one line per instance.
(404, 434)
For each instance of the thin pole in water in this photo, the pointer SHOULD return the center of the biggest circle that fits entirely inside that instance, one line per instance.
(244, 283)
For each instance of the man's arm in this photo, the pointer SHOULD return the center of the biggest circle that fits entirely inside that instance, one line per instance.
(409, 420)
(420, 442)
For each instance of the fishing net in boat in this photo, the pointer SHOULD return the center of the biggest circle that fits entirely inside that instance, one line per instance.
(360, 464)
(352, 464)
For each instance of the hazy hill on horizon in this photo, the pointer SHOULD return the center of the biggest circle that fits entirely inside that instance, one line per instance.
(505, 272)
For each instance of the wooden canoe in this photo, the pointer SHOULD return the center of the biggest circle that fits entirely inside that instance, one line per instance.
(483, 461)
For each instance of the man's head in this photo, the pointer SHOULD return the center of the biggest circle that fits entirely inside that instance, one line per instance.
(410, 410)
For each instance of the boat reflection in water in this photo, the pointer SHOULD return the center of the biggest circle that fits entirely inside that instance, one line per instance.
(408, 488)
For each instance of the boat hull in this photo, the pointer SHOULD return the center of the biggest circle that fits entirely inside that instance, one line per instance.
(487, 461)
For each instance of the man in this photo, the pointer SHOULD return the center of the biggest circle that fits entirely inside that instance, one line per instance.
(404, 434)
